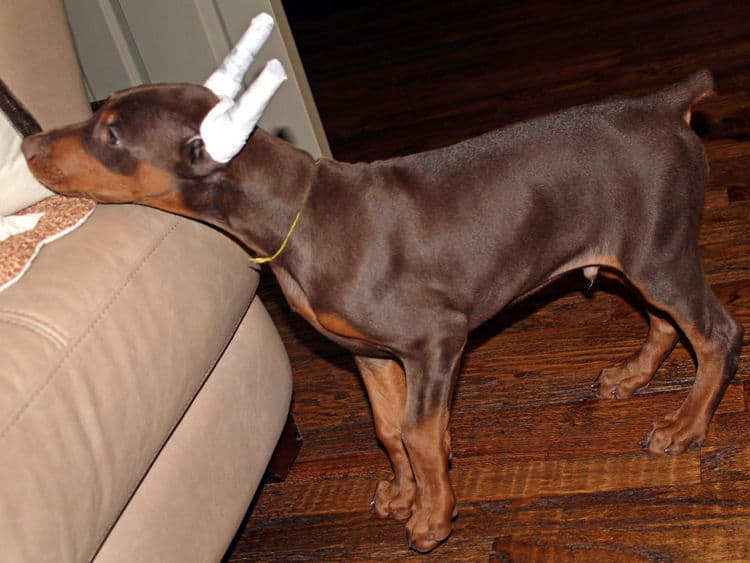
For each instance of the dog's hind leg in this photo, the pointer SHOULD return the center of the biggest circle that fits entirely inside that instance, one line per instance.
(622, 380)
(664, 263)
(715, 336)
(385, 382)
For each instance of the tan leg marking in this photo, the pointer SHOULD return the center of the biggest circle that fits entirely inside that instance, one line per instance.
(688, 425)
(386, 387)
(427, 442)
(622, 380)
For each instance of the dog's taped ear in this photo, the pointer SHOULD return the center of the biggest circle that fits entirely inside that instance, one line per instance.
(227, 126)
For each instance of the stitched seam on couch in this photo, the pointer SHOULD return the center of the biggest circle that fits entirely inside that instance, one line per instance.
(183, 409)
(34, 324)
(39, 390)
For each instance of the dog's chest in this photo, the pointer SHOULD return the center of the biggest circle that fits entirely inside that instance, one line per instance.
(329, 323)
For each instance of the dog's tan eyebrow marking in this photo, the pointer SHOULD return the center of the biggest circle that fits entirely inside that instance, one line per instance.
(109, 117)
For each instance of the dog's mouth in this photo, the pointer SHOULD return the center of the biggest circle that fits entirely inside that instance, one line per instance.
(51, 176)
(36, 151)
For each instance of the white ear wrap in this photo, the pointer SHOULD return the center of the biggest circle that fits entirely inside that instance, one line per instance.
(226, 81)
(227, 126)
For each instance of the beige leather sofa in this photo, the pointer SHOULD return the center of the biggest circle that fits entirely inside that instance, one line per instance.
(143, 387)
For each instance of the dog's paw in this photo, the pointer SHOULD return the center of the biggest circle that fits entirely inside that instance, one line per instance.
(619, 382)
(394, 501)
(675, 435)
(425, 530)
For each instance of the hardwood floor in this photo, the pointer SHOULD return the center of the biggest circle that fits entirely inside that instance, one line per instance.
(542, 469)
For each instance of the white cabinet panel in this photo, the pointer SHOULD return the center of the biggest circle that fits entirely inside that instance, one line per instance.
(123, 43)
(108, 57)
(170, 38)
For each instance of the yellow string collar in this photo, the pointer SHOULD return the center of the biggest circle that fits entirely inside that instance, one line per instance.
(267, 259)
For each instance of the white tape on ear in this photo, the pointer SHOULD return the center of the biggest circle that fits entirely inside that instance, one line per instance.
(226, 81)
(227, 126)
(215, 131)
(249, 108)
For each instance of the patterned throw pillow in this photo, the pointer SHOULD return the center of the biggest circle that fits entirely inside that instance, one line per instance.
(30, 214)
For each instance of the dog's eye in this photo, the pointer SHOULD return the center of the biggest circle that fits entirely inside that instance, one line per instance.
(196, 150)
(113, 136)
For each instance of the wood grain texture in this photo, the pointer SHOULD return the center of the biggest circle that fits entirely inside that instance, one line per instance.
(543, 470)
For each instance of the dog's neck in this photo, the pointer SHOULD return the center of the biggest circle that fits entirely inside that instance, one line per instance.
(258, 196)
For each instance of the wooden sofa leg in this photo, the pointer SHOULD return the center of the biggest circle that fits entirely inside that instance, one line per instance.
(286, 452)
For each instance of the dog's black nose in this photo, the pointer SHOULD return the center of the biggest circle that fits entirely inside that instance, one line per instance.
(31, 147)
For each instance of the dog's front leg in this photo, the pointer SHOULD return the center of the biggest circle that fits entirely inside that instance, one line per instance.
(429, 383)
(386, 387)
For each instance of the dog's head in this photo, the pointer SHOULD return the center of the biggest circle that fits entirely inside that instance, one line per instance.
(144, 143)
(134, 148)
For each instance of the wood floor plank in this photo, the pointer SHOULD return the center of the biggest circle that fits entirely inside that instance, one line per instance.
(688, 523)
(726, 463)
(693, 523)
(488, 480)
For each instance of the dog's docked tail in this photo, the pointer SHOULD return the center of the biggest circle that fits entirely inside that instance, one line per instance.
(682, 96)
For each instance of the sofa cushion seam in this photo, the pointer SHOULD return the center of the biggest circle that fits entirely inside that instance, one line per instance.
(84, 335)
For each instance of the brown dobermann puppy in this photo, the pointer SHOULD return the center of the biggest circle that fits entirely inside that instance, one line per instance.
(398, 260)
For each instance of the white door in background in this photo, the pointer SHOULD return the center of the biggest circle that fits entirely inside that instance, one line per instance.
(124, 43)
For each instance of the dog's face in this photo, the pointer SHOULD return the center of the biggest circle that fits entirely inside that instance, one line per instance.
(137, 147)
